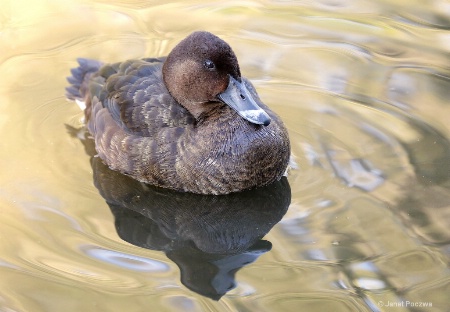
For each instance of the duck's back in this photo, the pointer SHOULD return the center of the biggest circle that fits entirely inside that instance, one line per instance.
(135, 122)
(135, 95)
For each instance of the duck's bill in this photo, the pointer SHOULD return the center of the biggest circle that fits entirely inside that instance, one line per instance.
(238, 97)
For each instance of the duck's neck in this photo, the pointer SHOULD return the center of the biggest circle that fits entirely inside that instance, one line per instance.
(220, 120)
(210, 112)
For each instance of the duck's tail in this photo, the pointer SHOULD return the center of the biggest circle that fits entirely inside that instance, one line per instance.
(79, 81)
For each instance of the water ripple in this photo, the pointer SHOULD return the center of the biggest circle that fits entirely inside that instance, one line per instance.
(126, 261)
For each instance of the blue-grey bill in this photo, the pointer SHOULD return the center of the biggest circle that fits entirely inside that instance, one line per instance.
(238, 97)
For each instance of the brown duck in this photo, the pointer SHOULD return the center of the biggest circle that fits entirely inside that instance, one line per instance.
(188, 122)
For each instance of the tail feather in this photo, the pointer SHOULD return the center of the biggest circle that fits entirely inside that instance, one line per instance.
(79, 81)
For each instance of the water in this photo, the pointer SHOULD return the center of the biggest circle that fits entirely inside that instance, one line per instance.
(363, 87)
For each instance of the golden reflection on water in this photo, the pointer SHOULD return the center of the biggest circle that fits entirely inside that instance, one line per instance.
(363, 87)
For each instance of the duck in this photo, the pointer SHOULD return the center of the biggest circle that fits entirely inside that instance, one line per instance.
(187, 122)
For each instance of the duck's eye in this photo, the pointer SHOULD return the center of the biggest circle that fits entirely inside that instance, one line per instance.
(209, 65)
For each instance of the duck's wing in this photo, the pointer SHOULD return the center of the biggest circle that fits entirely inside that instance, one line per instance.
(136, 97)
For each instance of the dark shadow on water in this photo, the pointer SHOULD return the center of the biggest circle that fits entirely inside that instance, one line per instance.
(209, 237)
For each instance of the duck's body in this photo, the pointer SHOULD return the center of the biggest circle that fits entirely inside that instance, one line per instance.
(178, 136)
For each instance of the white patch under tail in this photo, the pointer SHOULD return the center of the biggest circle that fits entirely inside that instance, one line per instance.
(81, 104)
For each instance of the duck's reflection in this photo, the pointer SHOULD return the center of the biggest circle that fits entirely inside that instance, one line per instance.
(209, 237)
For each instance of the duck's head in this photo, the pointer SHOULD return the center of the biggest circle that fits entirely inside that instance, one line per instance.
(203, 69)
